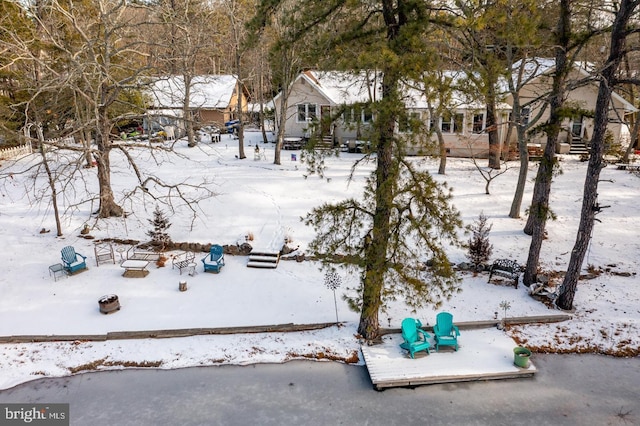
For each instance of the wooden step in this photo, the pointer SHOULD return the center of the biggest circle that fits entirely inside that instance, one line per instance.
(260, 259)
(266, 265)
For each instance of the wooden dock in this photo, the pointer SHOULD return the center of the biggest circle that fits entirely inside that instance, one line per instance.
(484, 354)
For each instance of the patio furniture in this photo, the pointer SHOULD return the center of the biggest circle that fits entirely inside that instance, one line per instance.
(292, 143)
(191, 269)
(73, 262)
(104, 253)
(136, 253)
(446, 333)
(415, 339)
(214, 261)
(183, 260)
(506, 268)
(120, 251)
(135, 268)
(57, 270)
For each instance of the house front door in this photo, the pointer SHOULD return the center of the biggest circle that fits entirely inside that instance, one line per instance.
(577, 128)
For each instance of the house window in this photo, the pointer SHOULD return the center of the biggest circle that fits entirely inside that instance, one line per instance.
(451, 123)
(306, 113)
(348, 116)
(478, 123)
(357, 114)
(367, 116)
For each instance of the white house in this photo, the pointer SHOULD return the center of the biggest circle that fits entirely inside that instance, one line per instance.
(334, 106)
(579, 130)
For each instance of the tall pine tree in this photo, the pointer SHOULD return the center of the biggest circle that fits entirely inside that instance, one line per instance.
(404, 216)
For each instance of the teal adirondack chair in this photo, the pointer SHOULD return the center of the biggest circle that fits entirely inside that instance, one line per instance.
(446, 333)
(73, 262)
(415, 339)
(214, 260)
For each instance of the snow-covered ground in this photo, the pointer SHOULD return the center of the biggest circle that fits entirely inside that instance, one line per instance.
(257, 198)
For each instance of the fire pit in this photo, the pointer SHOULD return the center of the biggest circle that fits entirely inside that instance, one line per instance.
(109, 303)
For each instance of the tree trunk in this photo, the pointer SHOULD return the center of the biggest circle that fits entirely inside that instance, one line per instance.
(187, 114)
(590, 205)
(108, 206)
(539, 211)
(516, 204)
(492, 130)
(281, 117)
(443, 151)
(633, 142)
(51, 180)
(261, 98)
(376, 252)
(85, 136)
(239, 111)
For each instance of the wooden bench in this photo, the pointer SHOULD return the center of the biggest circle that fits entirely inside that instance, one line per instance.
(506, 268)
(183, 260)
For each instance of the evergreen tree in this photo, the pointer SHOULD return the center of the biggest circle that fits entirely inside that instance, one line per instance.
(158, 234)
(405, 217)
(479, 246)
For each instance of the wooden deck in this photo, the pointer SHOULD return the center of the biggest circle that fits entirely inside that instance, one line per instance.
(484, 354)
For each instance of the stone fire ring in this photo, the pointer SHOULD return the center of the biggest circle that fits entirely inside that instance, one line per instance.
(109, 303)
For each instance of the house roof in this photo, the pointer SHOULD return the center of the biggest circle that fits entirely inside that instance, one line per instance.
(458, 98)
(348, 88)
(207, 91)
(536, 67)
(344, 88)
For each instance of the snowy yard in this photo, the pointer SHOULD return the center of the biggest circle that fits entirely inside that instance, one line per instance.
(258, 198)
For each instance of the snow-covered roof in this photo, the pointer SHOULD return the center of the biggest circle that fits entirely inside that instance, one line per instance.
(347, 88)
(535, 67)
(207, 91)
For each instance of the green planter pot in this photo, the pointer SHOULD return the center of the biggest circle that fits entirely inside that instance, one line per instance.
(521, 357)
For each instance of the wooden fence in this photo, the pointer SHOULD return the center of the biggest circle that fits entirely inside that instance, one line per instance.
(16, 151)
(26, 149)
